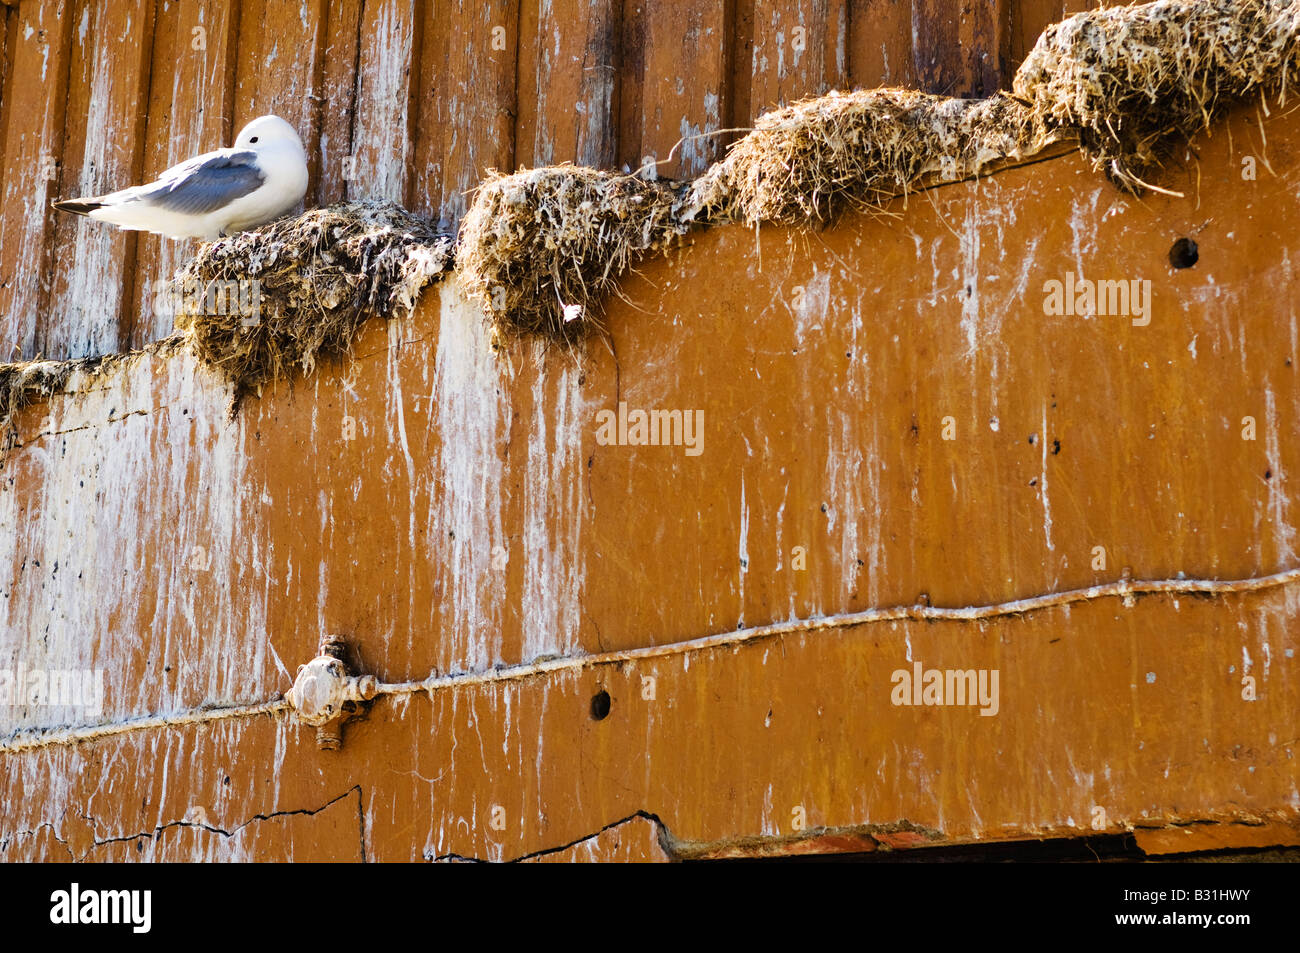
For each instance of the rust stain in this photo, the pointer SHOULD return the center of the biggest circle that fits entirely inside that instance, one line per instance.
(35, 102)
(474, 520)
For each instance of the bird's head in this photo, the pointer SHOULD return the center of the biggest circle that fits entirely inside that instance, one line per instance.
(267, 131)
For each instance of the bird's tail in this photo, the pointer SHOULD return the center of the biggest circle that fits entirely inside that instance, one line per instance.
(78, 206)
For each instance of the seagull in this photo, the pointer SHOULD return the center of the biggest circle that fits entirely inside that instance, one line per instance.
(216, 194)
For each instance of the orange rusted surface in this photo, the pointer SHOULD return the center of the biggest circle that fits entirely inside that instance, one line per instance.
(33, 106)
(891, 414)
(1188, 838)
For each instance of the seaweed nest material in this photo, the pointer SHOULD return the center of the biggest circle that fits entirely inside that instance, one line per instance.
(540, 247)
(30, 382)
(862, 148)
(543, 245)
(1132, 79)
(257, 304)
(24, 383)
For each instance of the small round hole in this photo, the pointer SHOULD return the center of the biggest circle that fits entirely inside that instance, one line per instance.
(1184, 253)
(600, 706)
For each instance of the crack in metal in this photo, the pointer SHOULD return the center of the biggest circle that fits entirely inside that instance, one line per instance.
(665, 840)
(213, 829)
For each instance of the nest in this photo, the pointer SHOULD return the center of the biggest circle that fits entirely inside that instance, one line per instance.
(25, 383)
(260, 303)
(1130, 80)
(539, 248)
(31, 382)
(803, 162)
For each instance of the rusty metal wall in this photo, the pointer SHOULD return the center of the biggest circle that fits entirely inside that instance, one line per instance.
(411, 101)
(892, 416)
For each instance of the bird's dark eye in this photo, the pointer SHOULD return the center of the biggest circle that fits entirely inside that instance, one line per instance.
(254, 139)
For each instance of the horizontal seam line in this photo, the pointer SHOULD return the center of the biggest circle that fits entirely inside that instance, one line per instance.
(26, 741)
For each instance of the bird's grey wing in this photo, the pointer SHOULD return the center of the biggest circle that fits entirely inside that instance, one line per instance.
(205, 184)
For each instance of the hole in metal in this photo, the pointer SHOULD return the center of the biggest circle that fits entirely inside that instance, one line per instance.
(1184, 253)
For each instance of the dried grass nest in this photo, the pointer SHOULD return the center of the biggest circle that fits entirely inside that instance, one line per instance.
(30, 382)
(802, 162)
(540, 248)
(1132, 80)
(258, 304)
(1124, 81)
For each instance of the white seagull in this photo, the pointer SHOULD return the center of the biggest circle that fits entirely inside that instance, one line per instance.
(213, 195)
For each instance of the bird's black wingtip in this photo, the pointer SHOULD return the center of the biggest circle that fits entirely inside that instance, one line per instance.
(77, 206)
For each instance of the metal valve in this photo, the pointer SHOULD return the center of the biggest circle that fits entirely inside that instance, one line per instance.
(325, 694)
